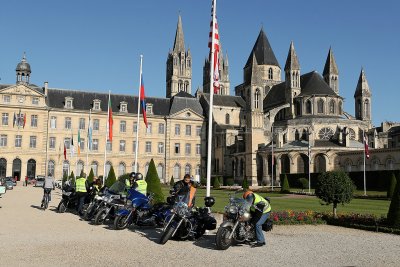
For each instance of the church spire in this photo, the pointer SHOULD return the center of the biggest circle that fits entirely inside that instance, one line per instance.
(362, 97)
(179, 44)
(292, 62)
(331, 72)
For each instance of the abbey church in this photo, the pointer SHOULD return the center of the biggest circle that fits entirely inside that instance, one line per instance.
(279, 121)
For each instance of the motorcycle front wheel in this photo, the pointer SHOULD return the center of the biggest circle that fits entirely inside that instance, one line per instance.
(100, 216)
(120, 222)
(167, 234)
(89, 213)
(223, 241)
(62, 207)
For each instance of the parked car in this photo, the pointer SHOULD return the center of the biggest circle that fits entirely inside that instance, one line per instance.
(9, 185)
(10, 178)
(39, 181)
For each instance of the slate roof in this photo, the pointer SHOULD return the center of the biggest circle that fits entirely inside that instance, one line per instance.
(263, 52)
(275, 96)
(226, 100)
(184, 94)
(180, 103)
(313, 84)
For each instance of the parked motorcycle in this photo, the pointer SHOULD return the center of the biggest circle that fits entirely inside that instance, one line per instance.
(238, 226)
(70, 199)
(186, 222)
(140, 211)
(94, 206)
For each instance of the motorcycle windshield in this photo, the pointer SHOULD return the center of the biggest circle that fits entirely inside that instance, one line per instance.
(117, 188)
(240, 202)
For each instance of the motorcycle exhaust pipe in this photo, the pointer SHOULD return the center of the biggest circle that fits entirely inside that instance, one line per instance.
(234, 229)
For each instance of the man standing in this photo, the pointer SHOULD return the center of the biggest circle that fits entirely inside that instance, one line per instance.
(187, 189)
(81, 187)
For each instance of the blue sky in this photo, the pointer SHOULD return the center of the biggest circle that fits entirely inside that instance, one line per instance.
(95, 44)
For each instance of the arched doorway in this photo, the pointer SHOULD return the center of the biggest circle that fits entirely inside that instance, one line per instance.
(319, 163)
(31, 168)
(302, 164)
(16, 169)
(285, 164)
(3, 167)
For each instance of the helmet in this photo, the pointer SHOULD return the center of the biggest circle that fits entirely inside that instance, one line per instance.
(249, 196)
(209, 201)
(132, 175)
(139, 176)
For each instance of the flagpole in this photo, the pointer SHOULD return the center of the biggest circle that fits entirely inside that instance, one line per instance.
(365, 187)
(272, 159)
(210, 112)
(138, 114)
(108, 130)
(88, 142)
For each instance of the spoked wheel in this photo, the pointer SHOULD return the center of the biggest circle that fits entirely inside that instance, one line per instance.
(223, 241)
(62, 207)
(120, 222)
(100, 216)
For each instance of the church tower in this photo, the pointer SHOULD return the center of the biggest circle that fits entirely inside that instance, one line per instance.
(362, 97)
(23, 71)
(224, 82)
(179, 65)
(331, 73)
(292, 79)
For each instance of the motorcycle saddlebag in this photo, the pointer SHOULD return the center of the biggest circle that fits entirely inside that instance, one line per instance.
(268, 225)
(210, 223)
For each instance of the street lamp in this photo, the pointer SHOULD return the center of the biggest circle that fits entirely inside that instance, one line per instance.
(309, 161)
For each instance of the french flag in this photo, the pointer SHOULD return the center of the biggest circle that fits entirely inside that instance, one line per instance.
(143, 100)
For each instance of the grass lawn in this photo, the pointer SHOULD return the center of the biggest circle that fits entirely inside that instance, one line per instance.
(281, 202)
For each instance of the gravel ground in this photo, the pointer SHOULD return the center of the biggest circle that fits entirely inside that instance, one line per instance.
(32, 237)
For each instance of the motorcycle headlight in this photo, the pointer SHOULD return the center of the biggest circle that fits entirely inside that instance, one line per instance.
(245, 216)
(233, 209)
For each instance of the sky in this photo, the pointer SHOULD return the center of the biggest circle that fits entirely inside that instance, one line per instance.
(95, 45)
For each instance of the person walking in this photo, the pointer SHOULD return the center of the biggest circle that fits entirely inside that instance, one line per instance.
(81, 188)
(260, 209)
(26, 180)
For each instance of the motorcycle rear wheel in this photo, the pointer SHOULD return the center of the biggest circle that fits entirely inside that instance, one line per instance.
(61, 207)
(120, 222)
(100, 216)
(222, 239)
(167, 234)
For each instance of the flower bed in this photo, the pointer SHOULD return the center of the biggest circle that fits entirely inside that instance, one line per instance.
(296, 217)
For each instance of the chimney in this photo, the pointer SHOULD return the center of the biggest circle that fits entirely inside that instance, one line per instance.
(46, 86)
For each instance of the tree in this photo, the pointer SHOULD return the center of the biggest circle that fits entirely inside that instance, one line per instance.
(392, 186)
(91, 176)
(65, 178)
(172, 182)
(245, 184)
(72, 178)
(333, 188)
(303, 182)
(216, 184)
(111, 179)
(393, 217)
(82, 174)
(153, 183)
(285, 185)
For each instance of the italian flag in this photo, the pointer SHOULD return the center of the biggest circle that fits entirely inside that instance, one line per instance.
(110, 120)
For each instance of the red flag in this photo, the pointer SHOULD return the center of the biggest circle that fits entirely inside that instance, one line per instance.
(143, 100)
(214, 38)
(24, 120)
(110, 120)
(65, 152)
(366, 146)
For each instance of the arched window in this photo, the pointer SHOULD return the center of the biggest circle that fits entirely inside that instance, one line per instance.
(160, 171)
(198, 171)
(320, 106)
(285, 164)
(332, 107)
(308, 107)
(348, 165)
(352, 134)
(188, 169)
(325, 133)
(227, 118)
(257, 99)
(359, 108)
(146, 169)
(95, 168)
(66, 168)
(270, 74)
(221, 90)
(302, 164)
(79, 168)
(121, 169)
(375, 165)
(319, 163)
(366, 105)
(3, 167)
(186, 89)
(340, 108)
(389, 164)
(108, 167)
(297, 135)
(177, 172)
(133, 167)
(51, 167)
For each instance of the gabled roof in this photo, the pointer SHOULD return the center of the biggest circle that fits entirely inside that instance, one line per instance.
(180, 103)
(263, 52)
(313, 84)
(226, 100)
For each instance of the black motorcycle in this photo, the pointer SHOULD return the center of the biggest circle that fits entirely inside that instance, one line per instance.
(70, 199)
(188, 223)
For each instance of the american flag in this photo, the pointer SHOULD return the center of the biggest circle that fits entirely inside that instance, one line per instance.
(366, 146)
(214, 38)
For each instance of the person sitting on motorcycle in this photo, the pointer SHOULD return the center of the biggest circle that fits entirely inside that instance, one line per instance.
(139, 184)
(130, 181)
(48, 185)
(261, 210)
(185, 188)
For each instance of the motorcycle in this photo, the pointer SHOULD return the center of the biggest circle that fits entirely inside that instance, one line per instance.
(185, 222)
(140, 211)
(70, 199)
(238, 225)
(93, 207)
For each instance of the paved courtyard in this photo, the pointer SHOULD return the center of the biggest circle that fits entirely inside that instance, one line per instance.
(32, 237)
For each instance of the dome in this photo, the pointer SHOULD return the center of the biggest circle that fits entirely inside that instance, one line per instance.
(23, 66)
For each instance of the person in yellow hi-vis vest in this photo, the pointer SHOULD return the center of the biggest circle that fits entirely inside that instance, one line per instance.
(140, 184)
(261, 209)
(81, 187)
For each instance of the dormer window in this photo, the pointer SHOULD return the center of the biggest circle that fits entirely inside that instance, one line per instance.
(149, 108)
(69, 102)
(123, 107)
(6, 98)
(35, 100)
(96, 104)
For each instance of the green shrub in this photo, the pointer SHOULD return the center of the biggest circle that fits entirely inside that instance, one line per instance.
(171, 181)
(245, 183)
(303, 183)
(72, 178)
(392, 186)
(393, 217)
(111, 179)
(216, 184)
(285, 188)
(230, 181)
(153, 183)
(203, 181)
(82, 174)
(91, 176)
(65, 178)
(334, 187)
